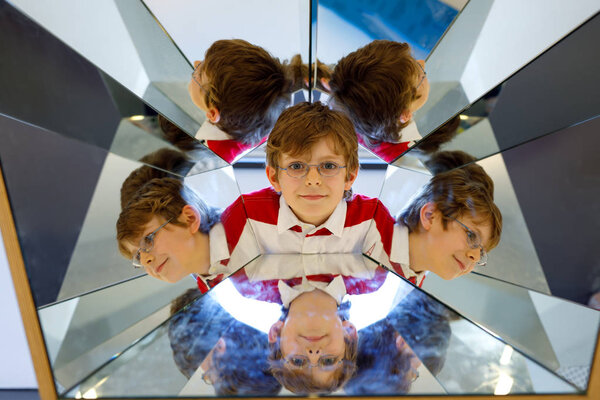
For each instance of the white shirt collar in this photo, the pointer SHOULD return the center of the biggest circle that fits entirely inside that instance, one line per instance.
(209, 131)
(336, 289)
(399, 253)
(218, 249)
(335, 223)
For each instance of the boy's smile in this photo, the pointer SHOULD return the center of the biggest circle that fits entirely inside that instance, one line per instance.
(446, 252)
(314, 197)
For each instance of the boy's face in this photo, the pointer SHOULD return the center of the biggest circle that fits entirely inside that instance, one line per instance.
(195, 89)
(313, 333)
(174, 254)
(449, 254)
(314, 197)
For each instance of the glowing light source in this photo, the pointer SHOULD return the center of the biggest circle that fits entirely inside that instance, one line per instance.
(90, 394)
(504, 384)
(463, 117)
(506, 354)
(136, 117)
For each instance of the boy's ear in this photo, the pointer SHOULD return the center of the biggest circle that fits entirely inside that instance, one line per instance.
(275, 331)
(405, 116)
(325, 83)
(350, 181)
(272, 176)
(213, 115)
(349, 329)
(427, 215)
(191, 217)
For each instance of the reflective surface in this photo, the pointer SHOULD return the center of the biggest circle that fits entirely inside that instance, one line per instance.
(431, 347)
(113, 122)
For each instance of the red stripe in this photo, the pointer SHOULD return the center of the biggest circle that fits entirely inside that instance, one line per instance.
(360, 209)
(263, 205)
(321, 232)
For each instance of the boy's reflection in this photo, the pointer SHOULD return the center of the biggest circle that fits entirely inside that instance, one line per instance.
(313, 345)
(416, 331)
(209, 343)
(242, 89)
(380, 86)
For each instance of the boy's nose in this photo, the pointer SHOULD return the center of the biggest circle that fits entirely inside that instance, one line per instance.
(474, 255)
(313, 177)
(314, 352)
(146, 259)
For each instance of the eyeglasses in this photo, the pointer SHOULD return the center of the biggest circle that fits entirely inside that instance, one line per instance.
(146, 245)
(474, 242)
(424, 74)
(299, 169)
(324, 363)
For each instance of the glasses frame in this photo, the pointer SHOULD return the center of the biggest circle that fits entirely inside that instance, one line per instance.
(424, 75)
(150, 236)
(318, 166)
(317, 365)
(483, 254)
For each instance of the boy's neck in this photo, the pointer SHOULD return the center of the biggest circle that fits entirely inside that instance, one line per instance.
(202, 250)
(416, 252)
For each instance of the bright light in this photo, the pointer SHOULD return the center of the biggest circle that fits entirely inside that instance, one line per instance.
(136, 117)
(90, 394)
(463, 117)
(504, 384)
(506, 354)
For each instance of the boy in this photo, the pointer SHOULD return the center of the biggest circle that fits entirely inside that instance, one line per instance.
(312, 161)
(380, 86)
(449, 227)
(313, 346)
(242, 89)
(165, 228)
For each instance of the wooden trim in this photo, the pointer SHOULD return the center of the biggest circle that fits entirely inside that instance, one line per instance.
(39, 355)
(29, 315)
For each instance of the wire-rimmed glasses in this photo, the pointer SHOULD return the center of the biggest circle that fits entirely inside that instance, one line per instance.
(474, 241)
(299, 169)
(146, 245)
(324, 363)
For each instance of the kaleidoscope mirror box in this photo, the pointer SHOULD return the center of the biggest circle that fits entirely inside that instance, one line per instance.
(117, 110)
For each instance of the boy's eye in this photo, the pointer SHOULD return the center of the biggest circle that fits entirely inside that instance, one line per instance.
(473, 239)
(297, 361)
(329, 165)
(328, 361)
(296, 166)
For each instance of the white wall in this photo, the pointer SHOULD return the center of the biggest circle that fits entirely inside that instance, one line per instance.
(16, 368)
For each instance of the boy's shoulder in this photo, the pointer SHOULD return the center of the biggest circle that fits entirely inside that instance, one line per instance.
(361, 208)
(259, 205)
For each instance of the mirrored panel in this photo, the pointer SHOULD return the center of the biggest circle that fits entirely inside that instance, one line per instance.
(270, 321)
(525, 106)
(124, 40)
(478, 53)
(371, 65)
(451, 222)
(74, 98)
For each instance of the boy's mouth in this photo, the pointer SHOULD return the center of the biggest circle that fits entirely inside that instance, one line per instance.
(161, 266)
(460, 264)
(312, 196)
(313, 338)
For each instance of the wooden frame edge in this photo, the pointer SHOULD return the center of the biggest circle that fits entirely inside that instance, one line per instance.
(33, 331)
(39, 355)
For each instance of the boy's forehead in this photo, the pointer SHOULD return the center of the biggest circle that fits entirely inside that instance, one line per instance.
(325, 146)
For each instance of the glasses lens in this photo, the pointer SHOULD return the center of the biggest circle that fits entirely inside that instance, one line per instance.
(328, 168)
(136, 260)
(482, 257)
(297, 362)
(297, 169)
(147, 243)
(472, 240)
(328, 363)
